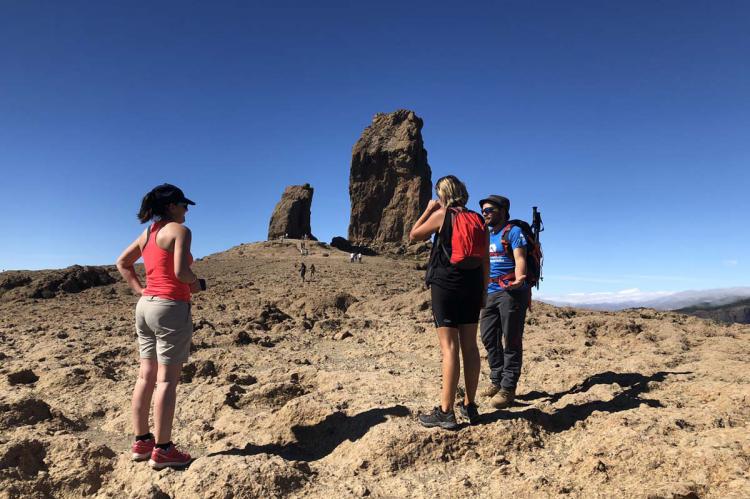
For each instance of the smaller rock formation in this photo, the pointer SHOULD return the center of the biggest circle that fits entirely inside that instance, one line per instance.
(291, 217)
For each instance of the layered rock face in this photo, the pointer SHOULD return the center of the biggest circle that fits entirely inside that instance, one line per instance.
(390, 181)
(292, 214)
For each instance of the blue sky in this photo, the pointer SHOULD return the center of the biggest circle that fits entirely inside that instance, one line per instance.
(627, 123)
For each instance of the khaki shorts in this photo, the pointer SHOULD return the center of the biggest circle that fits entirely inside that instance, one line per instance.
(165, 328)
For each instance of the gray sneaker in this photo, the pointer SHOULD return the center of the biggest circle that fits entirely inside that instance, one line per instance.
(490, 391)
(503, 399)
(445, 420)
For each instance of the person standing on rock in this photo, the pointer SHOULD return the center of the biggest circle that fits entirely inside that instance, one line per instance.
(457, 293)
(504, 313)
(163, 320)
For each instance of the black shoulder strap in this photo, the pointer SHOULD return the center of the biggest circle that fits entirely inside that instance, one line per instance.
(446, 231)
(506, 240)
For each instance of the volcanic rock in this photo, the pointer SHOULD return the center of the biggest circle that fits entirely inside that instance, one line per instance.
(48, 283)
(339, 242)
(14, 279)
(23, 377)
(27, 411)
(73, 279)
(291, 217)
(390, 181)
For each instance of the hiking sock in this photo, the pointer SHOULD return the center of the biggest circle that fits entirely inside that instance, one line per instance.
(145, 436)
(164, 446)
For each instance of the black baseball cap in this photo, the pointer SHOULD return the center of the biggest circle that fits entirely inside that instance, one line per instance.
(168, 193)
(500, 201)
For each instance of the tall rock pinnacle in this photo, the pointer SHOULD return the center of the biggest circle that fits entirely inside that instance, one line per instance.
(390, 181)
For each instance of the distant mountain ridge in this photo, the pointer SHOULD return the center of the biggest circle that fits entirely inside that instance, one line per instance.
(699, 299)
(733, 312)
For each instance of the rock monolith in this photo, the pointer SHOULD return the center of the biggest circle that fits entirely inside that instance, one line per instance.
(390, 181)
(291, 217)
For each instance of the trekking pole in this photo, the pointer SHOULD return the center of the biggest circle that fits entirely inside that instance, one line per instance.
(537, 226)
(536, 222)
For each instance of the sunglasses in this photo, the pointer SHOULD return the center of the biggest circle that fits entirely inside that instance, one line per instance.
(487, 211)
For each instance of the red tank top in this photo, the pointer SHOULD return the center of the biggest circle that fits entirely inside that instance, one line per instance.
(161, 280)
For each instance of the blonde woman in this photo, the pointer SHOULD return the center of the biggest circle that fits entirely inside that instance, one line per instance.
(458, 292)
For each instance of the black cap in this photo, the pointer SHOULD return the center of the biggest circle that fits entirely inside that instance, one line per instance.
(168, 193)
(500, 201)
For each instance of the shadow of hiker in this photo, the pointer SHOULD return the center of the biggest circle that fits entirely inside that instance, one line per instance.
(563, 419)
(317, 441)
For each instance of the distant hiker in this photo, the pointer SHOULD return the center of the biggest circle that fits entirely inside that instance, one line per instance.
(352, 256)
(359, 257)
(312, 271)
(508, 296)
(457, 276)
(162, 319)
(302, 270)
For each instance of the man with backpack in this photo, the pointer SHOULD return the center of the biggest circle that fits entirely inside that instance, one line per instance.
(508, 297)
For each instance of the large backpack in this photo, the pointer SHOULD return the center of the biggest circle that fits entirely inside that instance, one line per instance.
(467, 234)
(534, 256)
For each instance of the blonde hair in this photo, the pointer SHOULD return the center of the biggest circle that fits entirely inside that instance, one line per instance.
(451, 191)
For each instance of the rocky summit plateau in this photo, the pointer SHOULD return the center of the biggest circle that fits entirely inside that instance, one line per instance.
(313, 390)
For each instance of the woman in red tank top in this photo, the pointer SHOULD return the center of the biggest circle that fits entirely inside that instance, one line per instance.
(163, 320)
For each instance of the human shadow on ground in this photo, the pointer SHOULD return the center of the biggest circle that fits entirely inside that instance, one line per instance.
(634, 384)
(317, 441)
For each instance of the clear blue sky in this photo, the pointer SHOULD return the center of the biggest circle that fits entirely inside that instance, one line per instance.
(626, 122)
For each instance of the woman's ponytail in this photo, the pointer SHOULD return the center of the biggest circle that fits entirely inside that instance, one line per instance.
(147, 207)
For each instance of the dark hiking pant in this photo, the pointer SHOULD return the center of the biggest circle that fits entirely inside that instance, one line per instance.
(502, 320)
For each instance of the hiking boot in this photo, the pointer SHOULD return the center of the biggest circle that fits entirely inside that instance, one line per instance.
(470, 412)
(161, 458)
(142, 449)
(445, 420)
(503, 399)
(490, 391)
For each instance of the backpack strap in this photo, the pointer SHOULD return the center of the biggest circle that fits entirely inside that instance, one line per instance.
(505, 239)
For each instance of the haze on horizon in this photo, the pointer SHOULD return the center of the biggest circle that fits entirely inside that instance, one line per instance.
(626, 124)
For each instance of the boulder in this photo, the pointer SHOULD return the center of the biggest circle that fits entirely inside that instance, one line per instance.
(292, 213)
(339, 242)
(390, 181)
(73, 279)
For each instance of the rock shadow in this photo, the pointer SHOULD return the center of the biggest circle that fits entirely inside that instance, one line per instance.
(319, 440)
(634, 384)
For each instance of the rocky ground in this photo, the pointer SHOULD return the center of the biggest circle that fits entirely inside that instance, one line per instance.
(313, 391)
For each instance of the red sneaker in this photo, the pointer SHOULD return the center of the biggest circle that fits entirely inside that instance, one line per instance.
(141, 449)
(171, 457)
